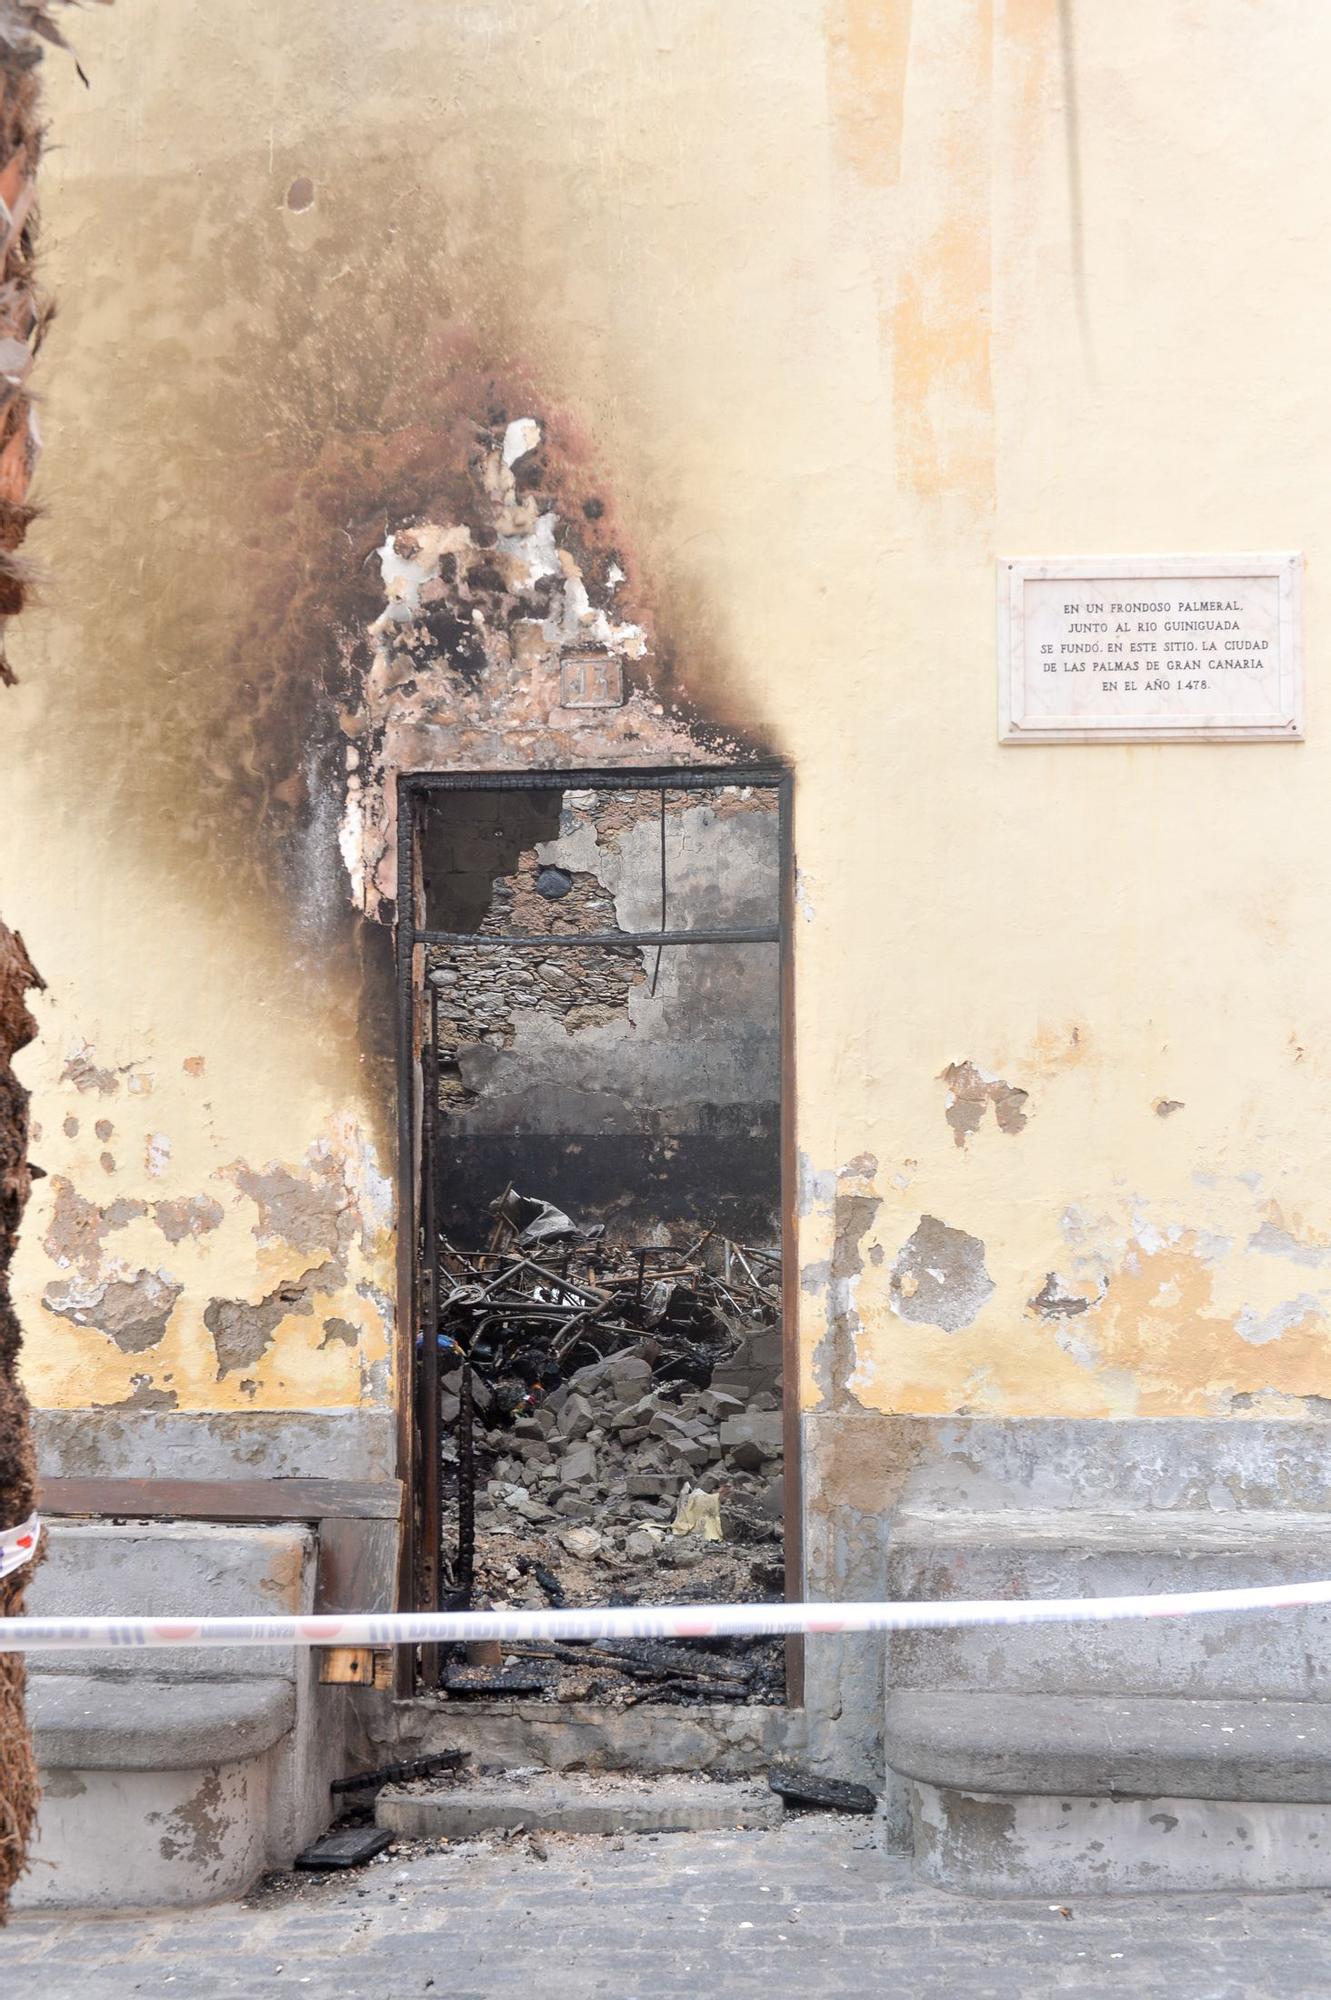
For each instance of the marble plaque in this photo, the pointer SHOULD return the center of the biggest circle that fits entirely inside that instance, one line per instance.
(1156, 648)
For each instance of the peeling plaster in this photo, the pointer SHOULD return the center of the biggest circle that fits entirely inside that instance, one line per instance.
(939, 1277)
(196, 1830)
(1258, 1328)
(85, 1074)
(310, 1211)
(1274, 1240)
(77, 1229)
(1058, 1298)
(187, 1215)
(133, 1312)
(243, 1331)
(854, 1209)
(143, 1396)
(970, 1093)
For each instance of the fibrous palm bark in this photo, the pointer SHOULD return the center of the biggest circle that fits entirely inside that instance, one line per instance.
(24, 314)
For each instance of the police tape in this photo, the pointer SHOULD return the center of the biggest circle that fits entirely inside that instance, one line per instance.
(19, 1545)
(646, 1621)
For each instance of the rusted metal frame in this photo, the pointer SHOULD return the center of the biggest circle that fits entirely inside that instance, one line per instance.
(629, 940)
(432, 1524)
(407, 1316)
(656, 968)
(674, 779)
(792, 1464)
(464, 1570)
(644, 778)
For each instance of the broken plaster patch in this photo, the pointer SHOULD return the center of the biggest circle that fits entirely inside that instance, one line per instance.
(307, 1211)
(838, 1359)
(1274, 1241)
(133, 1312)
(970, 1093)
(1257, 1328)
(939, 1277)
(188, 1215)
(143, 1396)
(78, 1228)
(243, 1331)
(85, 1074)
(1061, 1298)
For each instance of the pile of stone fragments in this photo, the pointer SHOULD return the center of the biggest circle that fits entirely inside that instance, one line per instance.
(650, 1471)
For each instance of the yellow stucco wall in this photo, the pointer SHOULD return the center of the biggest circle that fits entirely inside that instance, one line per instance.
(842, 302)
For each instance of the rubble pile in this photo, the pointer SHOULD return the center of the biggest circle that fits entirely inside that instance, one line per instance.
(626, 1427)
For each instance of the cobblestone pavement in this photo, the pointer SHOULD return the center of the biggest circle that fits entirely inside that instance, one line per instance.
(813, 1909)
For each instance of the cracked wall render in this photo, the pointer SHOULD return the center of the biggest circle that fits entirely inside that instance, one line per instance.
(797, 313)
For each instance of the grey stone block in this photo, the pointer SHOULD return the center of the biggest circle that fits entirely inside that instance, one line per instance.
(1096, 1746)
(166, 1569)
(554, 1804)
(1074, 1553)
(1050, 1846)
(578, 1466)
(119, 1722)
(576, 1417)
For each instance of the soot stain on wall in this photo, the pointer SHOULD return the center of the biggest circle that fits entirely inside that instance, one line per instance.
(337, 436)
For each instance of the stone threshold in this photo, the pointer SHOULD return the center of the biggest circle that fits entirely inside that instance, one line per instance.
(730, 1738)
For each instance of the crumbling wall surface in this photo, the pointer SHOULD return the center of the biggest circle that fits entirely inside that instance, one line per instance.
(642, 1094)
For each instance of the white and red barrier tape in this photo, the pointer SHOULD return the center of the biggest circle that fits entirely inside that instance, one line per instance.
(18, 1545)
(649, 1621)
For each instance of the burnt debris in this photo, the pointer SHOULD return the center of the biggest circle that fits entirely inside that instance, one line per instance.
(610, 1431)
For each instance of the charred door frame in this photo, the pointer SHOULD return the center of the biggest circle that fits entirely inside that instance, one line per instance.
(412, 938)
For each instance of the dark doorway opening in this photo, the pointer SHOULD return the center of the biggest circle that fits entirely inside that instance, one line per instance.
(594, 994)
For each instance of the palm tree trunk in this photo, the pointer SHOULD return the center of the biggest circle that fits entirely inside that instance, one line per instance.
(24, 315)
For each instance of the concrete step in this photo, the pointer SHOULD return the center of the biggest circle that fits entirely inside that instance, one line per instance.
(168, 1569)
(548, 1802)
(1028, 1553)
(1094, 1747)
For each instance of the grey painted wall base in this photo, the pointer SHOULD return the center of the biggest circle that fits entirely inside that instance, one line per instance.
(223, 1444)
(1058, 1846)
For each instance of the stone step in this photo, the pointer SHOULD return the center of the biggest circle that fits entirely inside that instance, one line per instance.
(170, 1569)
(548, 1802)
(1029, 1553)
(1097, 1747)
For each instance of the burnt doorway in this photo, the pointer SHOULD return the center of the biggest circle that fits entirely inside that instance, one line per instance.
(594, 995)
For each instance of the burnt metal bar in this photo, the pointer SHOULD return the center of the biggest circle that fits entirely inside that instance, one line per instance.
(432, 1527)
(760, 934)
(676, 778)
(464, 1570)
(792, 1465)
(407, 1260)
